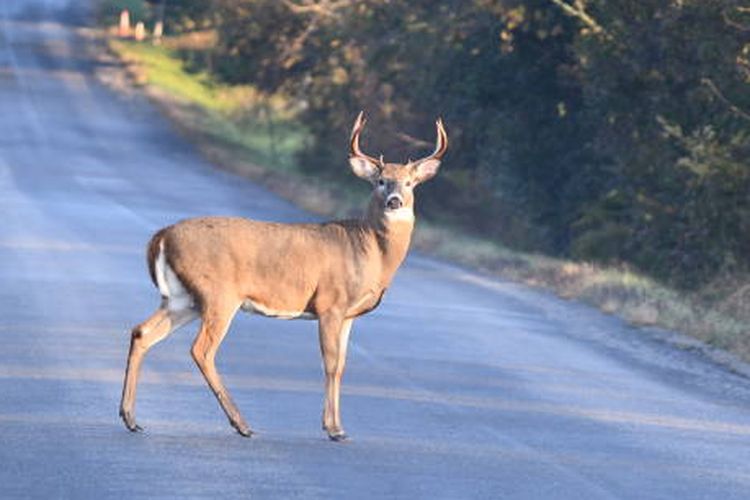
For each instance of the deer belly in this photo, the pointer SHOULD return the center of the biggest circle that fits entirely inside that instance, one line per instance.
(255, 307)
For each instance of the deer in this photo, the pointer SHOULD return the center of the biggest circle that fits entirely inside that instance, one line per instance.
(333, 272)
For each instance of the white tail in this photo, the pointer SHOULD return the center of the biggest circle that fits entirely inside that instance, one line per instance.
(211, 267)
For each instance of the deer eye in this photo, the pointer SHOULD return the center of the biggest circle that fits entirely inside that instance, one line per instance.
(408, 183)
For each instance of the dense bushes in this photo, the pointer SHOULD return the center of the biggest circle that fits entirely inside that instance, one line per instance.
(610, 131)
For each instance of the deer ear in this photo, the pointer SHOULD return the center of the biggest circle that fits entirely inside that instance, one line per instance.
(426, 169)
(364, 168)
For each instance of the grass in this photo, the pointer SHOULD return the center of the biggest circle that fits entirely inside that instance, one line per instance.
(162, 68)
(256, 135)
(259, 126)
(642, 301)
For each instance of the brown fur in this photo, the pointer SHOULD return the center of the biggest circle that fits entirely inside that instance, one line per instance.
(334, 272)
(285, 267)
(152, 250)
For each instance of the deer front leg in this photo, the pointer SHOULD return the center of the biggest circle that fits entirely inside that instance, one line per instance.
(214, 327)
(334, 340)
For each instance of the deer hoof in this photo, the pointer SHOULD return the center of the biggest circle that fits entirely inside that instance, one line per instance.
(243, 429)
(246, 432)
(129, 420)
(338, 436)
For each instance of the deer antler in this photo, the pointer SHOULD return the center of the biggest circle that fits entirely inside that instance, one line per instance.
(355, 150)
(441, 143)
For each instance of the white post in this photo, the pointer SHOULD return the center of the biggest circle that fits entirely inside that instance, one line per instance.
(158, 32)
(159, 26)
(124, 29)
(140, 31)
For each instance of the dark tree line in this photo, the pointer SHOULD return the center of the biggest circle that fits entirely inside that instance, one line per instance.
(610, 131)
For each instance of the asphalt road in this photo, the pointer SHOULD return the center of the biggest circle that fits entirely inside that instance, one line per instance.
(458, 386)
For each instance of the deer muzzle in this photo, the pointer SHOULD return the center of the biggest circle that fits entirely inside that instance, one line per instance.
(394, 202)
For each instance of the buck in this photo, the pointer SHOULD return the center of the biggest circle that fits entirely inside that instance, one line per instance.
(211, 267)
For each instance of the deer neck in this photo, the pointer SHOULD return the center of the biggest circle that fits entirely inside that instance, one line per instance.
(392, 232)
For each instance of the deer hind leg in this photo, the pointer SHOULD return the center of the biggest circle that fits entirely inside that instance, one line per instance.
(144, 336)
(334, 340)
(215, 324)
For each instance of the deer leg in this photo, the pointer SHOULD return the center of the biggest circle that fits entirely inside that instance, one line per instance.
(157, 327)
(212, 331)
(334, 339)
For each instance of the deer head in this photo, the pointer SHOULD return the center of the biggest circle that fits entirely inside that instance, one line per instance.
(394, 183)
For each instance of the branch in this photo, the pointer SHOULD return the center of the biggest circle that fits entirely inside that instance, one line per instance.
(578, 10)
(323, 8)
(732, 107)
(734, 24)
(318, 10)
(290, 54)
(413, 141)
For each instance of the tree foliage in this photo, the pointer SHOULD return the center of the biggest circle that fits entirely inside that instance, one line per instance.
(609, 131)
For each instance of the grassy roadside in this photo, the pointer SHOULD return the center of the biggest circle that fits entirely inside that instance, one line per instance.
(257, 136)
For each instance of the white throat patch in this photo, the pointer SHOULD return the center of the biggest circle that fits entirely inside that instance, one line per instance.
(400, 214)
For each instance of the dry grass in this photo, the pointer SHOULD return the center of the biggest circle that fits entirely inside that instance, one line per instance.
(716, 316)
(193, 40)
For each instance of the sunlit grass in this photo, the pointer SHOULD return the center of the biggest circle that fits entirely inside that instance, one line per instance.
(259, 127)
(160, 67)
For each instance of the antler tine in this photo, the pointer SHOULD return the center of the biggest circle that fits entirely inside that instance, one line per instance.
(441, 143)
(355, 150)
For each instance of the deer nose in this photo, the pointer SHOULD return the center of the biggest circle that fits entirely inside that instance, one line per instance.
(394, 202)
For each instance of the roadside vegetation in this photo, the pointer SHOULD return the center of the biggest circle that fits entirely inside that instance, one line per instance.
(597, 151)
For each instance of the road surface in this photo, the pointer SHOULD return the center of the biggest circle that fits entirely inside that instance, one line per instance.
(458, 386)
